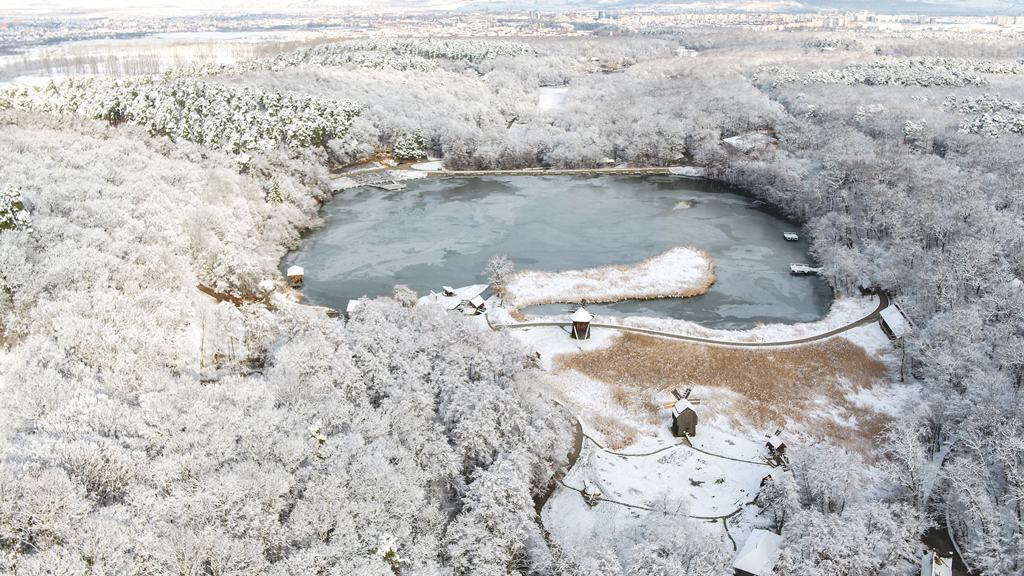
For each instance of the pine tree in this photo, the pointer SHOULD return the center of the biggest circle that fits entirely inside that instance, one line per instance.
(275, 196)
(13, 212)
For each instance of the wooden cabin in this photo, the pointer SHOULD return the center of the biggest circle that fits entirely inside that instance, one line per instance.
(295, 275)
(894, 322)
(934, 565)
(759, 554)
(447, 291)
(581, 320)
(684, 418)
(776, 447)
(474, 306)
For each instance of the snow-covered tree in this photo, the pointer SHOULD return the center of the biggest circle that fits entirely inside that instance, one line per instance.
(404, 295)
(673, 545)
(410, 146)
(14, 214)
(498, 270)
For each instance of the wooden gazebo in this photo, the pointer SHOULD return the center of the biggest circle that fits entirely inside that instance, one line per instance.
(581, 320)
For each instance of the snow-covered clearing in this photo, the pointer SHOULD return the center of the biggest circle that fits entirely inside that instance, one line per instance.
(551, 341)
(707, 485)
(429, 166)
(678, 273)
(711, 486)
(551, 98)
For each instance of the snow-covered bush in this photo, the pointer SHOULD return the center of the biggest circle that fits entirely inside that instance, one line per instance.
(404, 295)
(993, 114)
(410, 146)
(14, 214)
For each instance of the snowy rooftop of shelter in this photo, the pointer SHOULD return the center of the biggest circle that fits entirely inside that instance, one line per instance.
(295, 271)
(759, 553)
(934, 565)
(776, 441)
(353, 305)
(895, 319)
(459, 295)
(581, 315)
(476, 301)
(680, 406)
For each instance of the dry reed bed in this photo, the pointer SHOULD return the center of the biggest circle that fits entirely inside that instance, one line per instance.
(681, 272)
(810, 385)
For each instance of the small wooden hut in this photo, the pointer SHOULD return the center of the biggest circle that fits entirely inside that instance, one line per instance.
(295, 275)
(776, 446)
(759, 554)
(894, 322)
(581, 320)
(684, 419)
(474, 306)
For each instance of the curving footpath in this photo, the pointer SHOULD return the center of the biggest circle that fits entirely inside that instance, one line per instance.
(883, 302)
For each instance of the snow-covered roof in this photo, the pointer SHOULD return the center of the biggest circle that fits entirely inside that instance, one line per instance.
(775, 441)
(790, 235)
(759, 553)
(476, 302)
(352, 306)
(895, 320)
(680, 406)
(447, 289)
(934, 565)
(581, 315)
(459, 296)
(294, 271)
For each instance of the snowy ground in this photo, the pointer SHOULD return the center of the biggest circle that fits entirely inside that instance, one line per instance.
(429, 166)
(711, 486)
(680, 272)
(551, 98)
(688, 171)
(708, 485)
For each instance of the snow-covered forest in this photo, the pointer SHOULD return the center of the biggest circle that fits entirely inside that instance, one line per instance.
(146, 428)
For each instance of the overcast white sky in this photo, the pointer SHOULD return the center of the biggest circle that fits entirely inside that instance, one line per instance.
(171, 7)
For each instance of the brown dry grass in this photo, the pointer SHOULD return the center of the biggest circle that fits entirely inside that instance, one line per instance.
(616, 433)
(802, 384)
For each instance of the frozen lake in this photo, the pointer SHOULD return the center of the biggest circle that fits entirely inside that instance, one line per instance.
(442, 231)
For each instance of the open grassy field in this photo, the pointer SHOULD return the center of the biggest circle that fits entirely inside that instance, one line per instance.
(813, 385)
